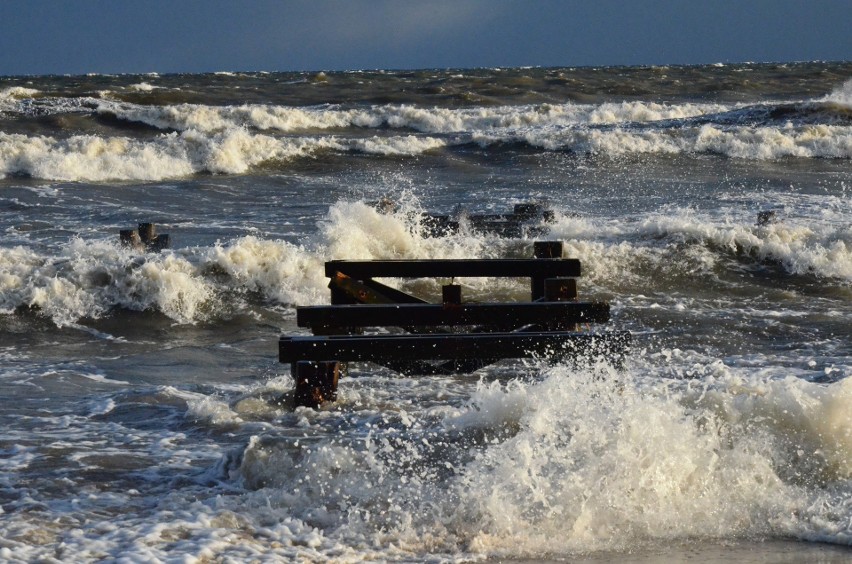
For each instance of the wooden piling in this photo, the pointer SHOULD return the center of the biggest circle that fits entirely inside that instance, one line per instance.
(144, 239)
(316, 382)
(560, 289)
(451, 294)
(544, 250)
(766, 217)
(147, 232)
(130, 238)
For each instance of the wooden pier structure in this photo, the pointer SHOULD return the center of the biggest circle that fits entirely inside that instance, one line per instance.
(448, 337)
(530, 219)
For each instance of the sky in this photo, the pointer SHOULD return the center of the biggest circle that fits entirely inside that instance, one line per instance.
(138, 36)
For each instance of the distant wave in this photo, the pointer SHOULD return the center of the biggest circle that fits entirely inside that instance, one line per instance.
(237, 151)
(183, 139)
(425, 120)
(841, 95)
(234, 151)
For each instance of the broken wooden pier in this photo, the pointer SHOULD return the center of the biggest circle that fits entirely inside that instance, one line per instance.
(448, 337)
(530, 219)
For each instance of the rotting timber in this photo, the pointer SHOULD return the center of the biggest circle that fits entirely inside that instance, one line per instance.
(448, 337)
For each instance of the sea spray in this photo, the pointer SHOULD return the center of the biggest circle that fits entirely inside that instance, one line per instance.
(577, 461)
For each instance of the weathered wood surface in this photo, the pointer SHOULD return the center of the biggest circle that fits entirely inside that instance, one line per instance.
(377, 348)
(316, 382)
(348, 290)
(397, 315)
(454, 268)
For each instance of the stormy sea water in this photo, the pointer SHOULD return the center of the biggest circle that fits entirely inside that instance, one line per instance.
(145, 416)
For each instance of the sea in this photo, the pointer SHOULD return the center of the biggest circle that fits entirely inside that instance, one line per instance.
(145, 416)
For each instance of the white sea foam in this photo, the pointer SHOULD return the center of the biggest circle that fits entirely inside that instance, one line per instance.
(823, 249)
(583, 461)
(90, 278)
(623, 460)
(9, 97)
(143, 87)
(278, 270)
(757, 143)
(225, 140)
(841, 95)
(426, 120)
(17, 92)
(234, 151)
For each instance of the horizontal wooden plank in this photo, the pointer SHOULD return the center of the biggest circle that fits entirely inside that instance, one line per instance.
(399, 315)
(449, 268)
(377, 348)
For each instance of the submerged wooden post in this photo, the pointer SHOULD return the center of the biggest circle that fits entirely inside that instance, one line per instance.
(144, 239)
(130, 238)
(147, 232)
(766, 217)
(316, 382)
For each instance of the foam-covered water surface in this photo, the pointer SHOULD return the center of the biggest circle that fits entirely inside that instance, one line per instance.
(146, 416)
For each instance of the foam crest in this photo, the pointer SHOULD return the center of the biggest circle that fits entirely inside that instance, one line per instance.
(841, 95)
(821, 249)
(288, 119)
(173, 155)
(143, 87)
(278, 270)
(209, 119)
(755, 143)
(604, 461)
(9, 97)
(90, 278)
(640, 112)
(92, 158)
(356, 230)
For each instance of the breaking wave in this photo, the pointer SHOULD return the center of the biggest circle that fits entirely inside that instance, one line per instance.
(89, 279)
(195, 138)
(577, 461)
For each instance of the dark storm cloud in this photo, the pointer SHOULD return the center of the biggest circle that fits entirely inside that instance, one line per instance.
(44, 36)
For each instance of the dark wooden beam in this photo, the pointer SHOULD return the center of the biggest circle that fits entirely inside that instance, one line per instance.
(379, 348)
(449, 268)
(399, 315)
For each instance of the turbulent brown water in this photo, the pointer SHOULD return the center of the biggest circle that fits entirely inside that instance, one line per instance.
(140, 408)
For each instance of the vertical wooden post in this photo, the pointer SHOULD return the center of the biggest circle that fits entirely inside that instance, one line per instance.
(147, 232)
(316, 382)
(159, 243)
(542, 250)
(130, 238)
(451, 294)
(560, 289)
(766, 217)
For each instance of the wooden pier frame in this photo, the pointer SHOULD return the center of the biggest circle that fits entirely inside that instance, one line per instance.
(446, 337)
